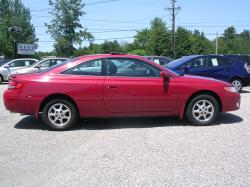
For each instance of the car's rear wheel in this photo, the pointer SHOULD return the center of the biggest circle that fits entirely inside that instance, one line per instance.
(237, 83)
(202, 110)
(1, 79)
(59, 114)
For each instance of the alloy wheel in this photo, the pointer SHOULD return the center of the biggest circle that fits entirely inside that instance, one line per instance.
(237, 85)
(59, 114)
(203, 110)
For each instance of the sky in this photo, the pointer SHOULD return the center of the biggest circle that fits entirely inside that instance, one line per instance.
(120, 19)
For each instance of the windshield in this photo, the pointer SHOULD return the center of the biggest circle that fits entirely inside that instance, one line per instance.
(178, 62)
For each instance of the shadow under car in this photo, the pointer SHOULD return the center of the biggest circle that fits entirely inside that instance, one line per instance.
(30, 122)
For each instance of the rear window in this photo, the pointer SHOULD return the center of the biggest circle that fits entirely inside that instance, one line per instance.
(244, 58)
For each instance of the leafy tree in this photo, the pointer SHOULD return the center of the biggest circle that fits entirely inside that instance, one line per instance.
(156, 40)
(141, 52)
(183, 42)
(230, 33)
(200, 44)
(40, 54)
(233, 43)
(14, 14)
(111, 46)
(65, 26)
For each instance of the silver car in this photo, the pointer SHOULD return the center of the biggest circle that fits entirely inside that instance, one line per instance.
(40, 65)
(13, 65)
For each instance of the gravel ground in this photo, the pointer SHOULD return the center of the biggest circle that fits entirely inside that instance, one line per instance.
(126, 152)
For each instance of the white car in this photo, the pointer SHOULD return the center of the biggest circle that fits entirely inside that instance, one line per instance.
(40, 65)
(7, 68)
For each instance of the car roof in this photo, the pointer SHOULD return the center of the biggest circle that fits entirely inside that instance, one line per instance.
(12, 60)
(80, 59)
(48, 58)
(156, 57)
(180, 61)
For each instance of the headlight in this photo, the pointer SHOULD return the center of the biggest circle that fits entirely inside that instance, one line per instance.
(231, 89)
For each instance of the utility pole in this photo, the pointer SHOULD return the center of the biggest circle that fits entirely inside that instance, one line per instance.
(15, 30)
(216, 44)
(174, 11)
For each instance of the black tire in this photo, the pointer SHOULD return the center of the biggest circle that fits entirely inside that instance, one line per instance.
(66, 105)
(239, 82)
(193, 103)
(1, 79)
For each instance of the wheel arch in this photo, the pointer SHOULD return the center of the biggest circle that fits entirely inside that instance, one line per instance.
(197, 93)
(238, 77)
(56, 96)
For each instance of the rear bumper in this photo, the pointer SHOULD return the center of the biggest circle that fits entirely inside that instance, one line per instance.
(246, 81)
(17, 104)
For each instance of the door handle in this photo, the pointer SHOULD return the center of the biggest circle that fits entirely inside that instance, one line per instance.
(112, 87)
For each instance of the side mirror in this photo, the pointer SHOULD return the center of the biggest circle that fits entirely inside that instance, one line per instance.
(7, 66)
(164, 75)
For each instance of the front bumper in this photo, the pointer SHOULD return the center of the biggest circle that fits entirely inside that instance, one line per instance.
(231, 102)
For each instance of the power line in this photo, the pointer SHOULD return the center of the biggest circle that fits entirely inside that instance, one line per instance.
(246, 25)
(111, 31)
(86, 4)
(50, 41)
(100, 2)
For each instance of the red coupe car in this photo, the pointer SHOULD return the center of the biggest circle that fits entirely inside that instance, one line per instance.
(116, 85)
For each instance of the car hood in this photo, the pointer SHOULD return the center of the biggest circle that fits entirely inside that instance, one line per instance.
(202, 80)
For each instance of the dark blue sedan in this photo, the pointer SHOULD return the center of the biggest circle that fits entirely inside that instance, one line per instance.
(215, 66)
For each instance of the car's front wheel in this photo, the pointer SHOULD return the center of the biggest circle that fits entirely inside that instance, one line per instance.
(202, 110)
(59, 114)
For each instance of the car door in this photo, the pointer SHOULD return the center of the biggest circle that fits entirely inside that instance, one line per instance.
(136, 86)
(219, 68)
(85, 85)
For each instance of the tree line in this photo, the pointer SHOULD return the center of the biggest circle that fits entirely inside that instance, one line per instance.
(68, 32)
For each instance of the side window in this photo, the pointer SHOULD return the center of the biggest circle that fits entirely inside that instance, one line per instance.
(163, 61)
(52, 62)
(195, 63)
(18, 63)
(93, 67)
(131, 68)
(45, 64)
(157, 61)
(31, 62)
(59, 61)
(27, 62)
(218, 61)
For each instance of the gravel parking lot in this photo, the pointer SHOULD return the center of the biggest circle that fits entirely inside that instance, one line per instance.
(126, 152)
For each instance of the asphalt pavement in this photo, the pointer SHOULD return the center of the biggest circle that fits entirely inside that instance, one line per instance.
(126, 151)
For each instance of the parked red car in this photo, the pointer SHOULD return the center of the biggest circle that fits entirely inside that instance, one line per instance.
(116, 85)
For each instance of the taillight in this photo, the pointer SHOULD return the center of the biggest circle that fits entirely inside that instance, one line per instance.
(246, 67)
(15, 85)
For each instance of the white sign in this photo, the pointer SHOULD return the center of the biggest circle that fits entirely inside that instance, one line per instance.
(26, 49)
